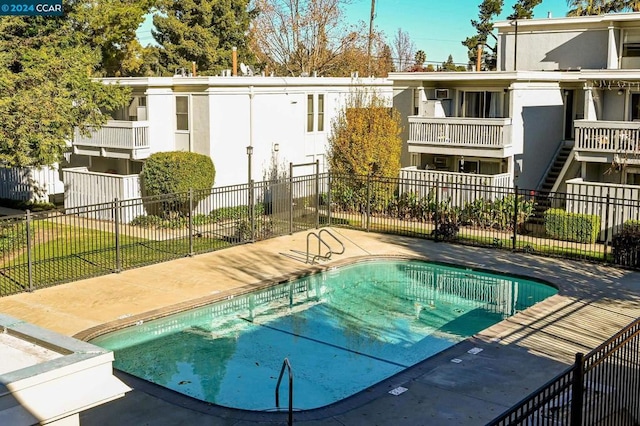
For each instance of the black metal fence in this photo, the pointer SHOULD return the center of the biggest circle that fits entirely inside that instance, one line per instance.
(43, 249)
(601, 388)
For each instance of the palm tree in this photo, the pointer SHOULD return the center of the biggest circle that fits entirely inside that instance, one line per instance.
(599, 7)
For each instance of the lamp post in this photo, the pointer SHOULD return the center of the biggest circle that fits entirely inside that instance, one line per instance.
(514, 23)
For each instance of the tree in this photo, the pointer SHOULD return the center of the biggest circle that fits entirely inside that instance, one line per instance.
(202, 31)
(523, 9)
(364, 141)
(110, 26)
(45, 86)
(302, 36)
(403, 50)
(599, 7)
(449, 65)
(488, 9)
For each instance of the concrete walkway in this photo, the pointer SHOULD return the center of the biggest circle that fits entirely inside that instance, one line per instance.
(519, 354)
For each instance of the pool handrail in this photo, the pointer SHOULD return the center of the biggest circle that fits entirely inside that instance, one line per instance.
(321, 242)
(286, 364)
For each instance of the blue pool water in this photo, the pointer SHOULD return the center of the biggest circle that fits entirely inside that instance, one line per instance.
(342, 330)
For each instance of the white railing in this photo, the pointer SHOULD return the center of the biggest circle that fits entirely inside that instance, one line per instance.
(608, 136)
(469, 132)
(459, 188)
(116, 134)
(590, 198)
(85, 188)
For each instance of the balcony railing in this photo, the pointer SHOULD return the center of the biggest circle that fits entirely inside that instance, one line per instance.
(608, 136)
(462, 132)
(125, 135)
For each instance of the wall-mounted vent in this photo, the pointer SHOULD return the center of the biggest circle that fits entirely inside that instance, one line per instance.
(442, 93)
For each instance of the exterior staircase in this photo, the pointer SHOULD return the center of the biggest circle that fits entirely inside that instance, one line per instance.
(543, 201)
(555, 169)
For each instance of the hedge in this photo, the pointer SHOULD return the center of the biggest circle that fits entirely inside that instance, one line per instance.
(626, 245)
(581, 228)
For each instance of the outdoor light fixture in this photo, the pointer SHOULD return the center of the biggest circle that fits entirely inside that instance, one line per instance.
(276, 147)
(620, 91)
(249, 154)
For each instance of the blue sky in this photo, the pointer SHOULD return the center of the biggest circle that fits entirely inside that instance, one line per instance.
(435, 26)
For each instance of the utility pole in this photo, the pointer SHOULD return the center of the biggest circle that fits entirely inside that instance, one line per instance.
(373, 12)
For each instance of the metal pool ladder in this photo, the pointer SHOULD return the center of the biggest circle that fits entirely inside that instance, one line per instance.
(321, 243)
(285, 364)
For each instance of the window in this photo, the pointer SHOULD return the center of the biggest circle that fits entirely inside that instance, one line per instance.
(309, 113)
(315, 113)
(635, 106)
(483, 104)
(182, 113)
(416, 101)
(320, 113)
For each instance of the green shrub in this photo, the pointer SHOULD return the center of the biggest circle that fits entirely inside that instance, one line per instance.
(13, 235)
(581, 228)
(176, 173)
(626, 245)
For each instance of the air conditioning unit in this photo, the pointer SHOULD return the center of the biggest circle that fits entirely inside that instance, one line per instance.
(442, 93)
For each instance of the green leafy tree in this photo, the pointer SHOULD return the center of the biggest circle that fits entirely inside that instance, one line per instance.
(45, 87)
(202, 31)
(110, 27)
(364, 141)
(484, 41)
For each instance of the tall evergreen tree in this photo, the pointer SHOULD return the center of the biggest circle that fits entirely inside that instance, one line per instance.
(110, 27)
(523, 9)
(484, 38)
(202, 31)
(45, 86)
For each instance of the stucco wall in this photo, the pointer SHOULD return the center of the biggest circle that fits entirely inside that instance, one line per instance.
(554, 50)
(537, 120)
(200, 141)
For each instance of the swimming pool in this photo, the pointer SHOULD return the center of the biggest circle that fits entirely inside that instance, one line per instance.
(343, 330)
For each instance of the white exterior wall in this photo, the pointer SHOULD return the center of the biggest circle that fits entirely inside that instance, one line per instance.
(537, 129)
(553, 49)
(161, 114)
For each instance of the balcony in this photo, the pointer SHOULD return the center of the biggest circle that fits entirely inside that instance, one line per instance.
(607, 137)
(116, 139)
(443, 134)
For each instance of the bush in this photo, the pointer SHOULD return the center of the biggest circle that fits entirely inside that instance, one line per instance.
(626, 245)
(581, 228)
(176, 173)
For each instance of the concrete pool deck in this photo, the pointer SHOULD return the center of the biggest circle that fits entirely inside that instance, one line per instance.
(518, 355)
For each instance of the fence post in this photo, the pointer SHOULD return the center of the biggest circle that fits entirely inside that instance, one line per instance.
(116, 215)
(577, 391)
(436, 214)
(606, 226)
(190, 221)
(368, 209)
(317, 194)
(29, 253)
(290, 198)
(515, 218)
(329, 199)
(252, 213)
